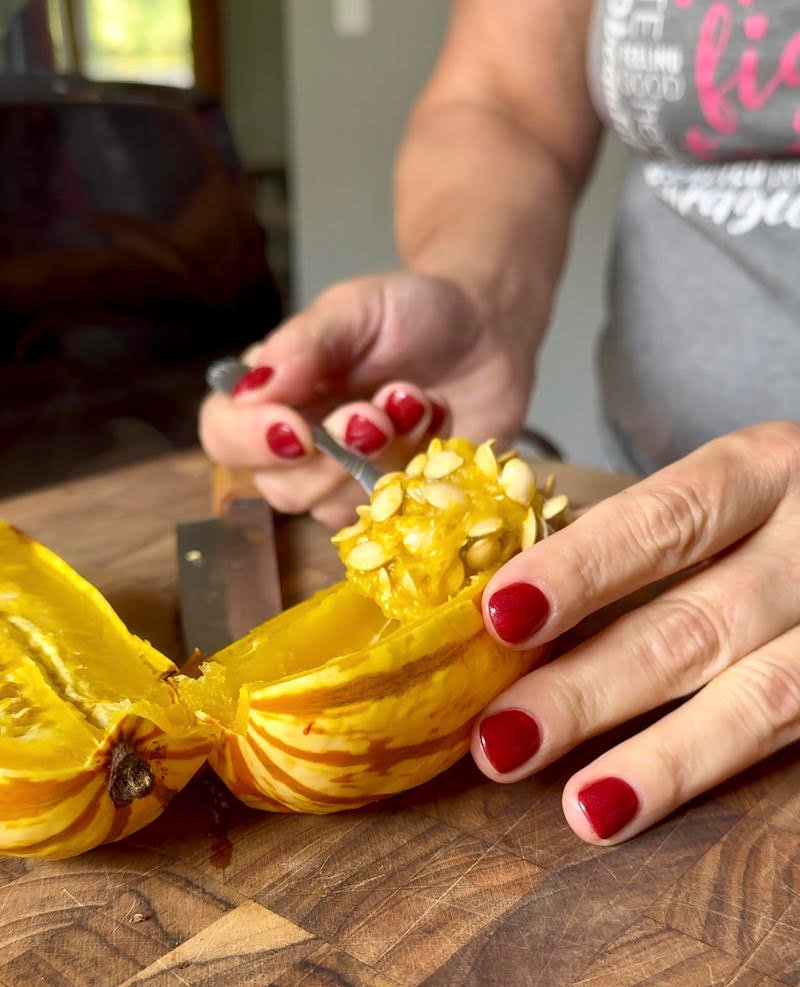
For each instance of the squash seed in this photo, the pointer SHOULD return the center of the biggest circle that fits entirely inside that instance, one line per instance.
(408, 584)
(453, 578)
(483, 553)
(386, 479)
(547, 489)
(367, 556)
(384, 581)
(518, 481)
(442, 464)
(485, 461)
(417, 465)
(554, 507)
(444, 495)
(486, 526)
(386, 502)
(530, 530)
(351, 532)
(435, 446)
(504, 457)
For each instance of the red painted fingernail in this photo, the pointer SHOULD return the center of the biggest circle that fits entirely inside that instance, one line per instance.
(283, 441)
(509, 738)
(608, 804)
(438, 413)
(404, 410)
(363, 435)
(251, 380)
(518, 611)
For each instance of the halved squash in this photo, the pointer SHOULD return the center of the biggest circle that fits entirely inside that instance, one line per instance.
(365, 690)
(371, 687)
(93, 739)
(331, 705)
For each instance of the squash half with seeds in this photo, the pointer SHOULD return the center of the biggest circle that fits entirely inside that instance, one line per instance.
(371, 687)
(365, 690)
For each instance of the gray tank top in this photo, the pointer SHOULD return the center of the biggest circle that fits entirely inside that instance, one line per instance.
(703, 329)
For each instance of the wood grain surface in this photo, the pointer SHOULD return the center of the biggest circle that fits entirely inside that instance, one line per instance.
(459, 882)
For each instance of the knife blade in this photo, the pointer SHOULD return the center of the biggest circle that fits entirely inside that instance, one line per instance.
(228, 575)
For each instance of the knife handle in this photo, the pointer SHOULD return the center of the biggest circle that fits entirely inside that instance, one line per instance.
(230, 485)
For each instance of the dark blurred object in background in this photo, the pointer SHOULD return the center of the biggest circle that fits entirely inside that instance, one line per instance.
(130, 257)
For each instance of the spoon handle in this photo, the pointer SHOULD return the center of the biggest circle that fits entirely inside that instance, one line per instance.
(226, 373)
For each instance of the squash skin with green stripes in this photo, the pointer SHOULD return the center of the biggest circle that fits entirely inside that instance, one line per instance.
(356, 708)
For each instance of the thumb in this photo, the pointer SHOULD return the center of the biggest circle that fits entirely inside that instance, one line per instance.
(320, 350)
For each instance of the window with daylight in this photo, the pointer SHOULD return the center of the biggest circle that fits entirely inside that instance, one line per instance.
(131, 40)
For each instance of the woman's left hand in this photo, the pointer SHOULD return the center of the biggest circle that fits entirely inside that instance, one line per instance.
(729, 633)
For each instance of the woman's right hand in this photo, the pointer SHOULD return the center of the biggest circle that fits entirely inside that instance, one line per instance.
(346, 360)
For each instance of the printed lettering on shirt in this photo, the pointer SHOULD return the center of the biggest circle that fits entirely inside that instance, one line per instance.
(736, 197)
(716, 82)
(709, 79)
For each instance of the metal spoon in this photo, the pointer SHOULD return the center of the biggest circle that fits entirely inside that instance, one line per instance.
(224, 375)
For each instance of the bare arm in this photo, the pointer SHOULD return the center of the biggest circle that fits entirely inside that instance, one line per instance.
(497, 151)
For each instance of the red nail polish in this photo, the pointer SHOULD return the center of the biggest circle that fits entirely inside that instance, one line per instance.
(404, 410)
(518, 611)
(509, 738)
(256, 377)
(608, 804)
(283, 442)
(363, 435)
(438, 412)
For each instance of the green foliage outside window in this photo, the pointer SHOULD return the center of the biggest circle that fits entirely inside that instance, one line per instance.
(146, 40)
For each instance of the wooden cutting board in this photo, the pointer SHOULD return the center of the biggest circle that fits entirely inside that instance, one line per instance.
(459, 882)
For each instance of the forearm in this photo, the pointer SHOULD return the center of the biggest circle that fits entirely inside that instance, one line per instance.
(480, 199)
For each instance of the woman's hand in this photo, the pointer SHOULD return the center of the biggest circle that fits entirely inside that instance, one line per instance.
(345, 359)
(728, 635)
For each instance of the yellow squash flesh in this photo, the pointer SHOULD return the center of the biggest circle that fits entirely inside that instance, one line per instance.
(93, 739)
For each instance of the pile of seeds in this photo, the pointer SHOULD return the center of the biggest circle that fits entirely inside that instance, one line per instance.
(456, 512)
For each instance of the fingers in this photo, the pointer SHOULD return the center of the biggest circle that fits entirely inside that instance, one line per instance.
(274, 441)
(255, 436)
(747, 713)
(661, 651)
(730, 629)
(682, 515)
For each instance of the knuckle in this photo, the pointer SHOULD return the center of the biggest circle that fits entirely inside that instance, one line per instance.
(674, 764)
(591, 569)
(771, 693)
(580, 706)
(784, 433)
(670, 519)
(342, 296)
(683, 644)
(777, 442)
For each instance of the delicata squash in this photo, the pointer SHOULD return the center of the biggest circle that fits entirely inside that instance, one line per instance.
(93, 739)
(371, 686)
(365, 690)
